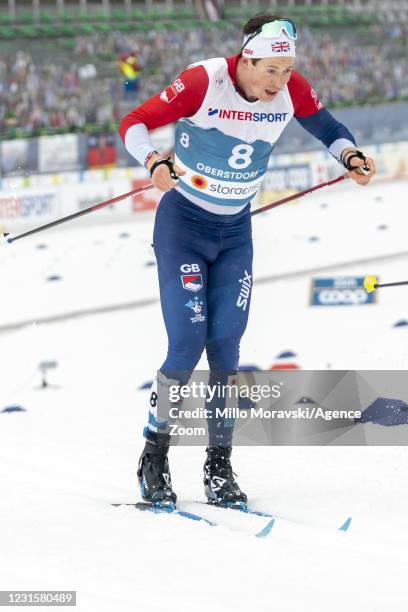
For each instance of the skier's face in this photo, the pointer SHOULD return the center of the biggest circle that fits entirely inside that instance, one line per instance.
(266, 78)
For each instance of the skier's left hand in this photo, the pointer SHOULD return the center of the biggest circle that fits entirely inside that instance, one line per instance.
(360, 176)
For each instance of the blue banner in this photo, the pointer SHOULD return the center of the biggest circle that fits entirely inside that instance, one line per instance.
(283, 178)
(341, 291)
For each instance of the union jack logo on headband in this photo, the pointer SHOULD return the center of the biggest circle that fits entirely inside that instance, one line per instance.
(280, 47)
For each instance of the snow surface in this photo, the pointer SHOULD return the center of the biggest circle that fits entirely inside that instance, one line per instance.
(74, 450)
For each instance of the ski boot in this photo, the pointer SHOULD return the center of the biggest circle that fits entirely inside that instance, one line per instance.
(221, 487)
(153, 472)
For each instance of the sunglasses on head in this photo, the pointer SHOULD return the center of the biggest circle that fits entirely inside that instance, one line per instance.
(273, 29)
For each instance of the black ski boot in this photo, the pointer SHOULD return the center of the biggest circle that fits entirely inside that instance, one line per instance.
(221, 487)
(153, 472)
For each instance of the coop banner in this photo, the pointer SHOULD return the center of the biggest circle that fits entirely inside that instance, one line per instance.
(343, 291)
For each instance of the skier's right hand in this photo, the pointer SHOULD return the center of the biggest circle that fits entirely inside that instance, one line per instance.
(161, 178)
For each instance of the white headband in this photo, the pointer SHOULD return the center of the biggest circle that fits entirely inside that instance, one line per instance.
(260, 47)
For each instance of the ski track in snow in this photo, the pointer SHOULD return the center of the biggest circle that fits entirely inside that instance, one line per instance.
(75, 449)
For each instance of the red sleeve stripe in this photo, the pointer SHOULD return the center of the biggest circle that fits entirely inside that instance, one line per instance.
(182, 98)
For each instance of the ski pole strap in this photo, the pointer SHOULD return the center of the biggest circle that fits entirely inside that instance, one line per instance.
(167, 162)
(351, 155)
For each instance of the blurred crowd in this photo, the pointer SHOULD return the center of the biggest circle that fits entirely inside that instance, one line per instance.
(84, 85)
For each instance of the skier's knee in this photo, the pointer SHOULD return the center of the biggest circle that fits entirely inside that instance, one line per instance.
(223, 354)
(182, 358)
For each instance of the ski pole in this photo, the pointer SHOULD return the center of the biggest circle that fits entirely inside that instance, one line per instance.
(371, 284)
(85, 211)
(297, 195)
(80, 213)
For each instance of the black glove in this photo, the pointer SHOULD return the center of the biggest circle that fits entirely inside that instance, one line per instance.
(349, 156)
(167, 161)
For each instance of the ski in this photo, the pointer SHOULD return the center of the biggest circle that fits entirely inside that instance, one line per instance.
(242, 507)
(166, 509)
(257, 528)
(171, 508)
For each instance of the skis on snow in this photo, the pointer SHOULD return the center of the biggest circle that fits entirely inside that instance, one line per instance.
(171, 509)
